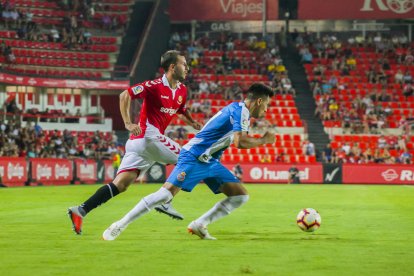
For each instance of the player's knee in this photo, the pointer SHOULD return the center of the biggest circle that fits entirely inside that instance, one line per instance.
(238, 200)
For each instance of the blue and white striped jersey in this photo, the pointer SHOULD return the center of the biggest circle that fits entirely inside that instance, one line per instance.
(217, 133)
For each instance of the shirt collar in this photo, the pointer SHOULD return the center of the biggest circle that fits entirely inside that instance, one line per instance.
(166, 83)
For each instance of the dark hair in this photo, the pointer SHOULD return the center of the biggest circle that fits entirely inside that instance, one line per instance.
(258, 90)
(168, 58)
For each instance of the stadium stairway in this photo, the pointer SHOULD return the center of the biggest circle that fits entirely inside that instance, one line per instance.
(138, 20)
(304, 99)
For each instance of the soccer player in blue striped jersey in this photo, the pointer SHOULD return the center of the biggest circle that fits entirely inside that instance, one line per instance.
(199, 160)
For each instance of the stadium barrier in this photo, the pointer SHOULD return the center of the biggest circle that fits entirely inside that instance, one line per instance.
(52, 171)
(378, 174)
(13, 171)
(276, 173)
(86, 171)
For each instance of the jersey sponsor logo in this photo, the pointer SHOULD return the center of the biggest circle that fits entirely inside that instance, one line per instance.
(180, 99)
(137, 89)
(181, 176)
(170, 111)
(164, 97)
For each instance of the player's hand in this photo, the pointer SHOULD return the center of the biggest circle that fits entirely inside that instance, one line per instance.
(197, 125)
(269, 137)
(133, 128)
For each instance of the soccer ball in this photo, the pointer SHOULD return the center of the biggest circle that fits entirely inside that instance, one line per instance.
(308, 220)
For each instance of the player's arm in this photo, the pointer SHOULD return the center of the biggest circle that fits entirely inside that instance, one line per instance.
(188, 119)
(124, 106)
(243, 141)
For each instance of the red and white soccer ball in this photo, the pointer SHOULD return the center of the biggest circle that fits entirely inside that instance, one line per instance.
(308, 220)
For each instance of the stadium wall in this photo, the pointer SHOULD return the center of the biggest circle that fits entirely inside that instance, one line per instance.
(51, 171)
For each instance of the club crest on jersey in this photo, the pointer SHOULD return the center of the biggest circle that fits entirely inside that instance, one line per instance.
(180, 99)
(245, 123)
(181, 176)
(137, 89)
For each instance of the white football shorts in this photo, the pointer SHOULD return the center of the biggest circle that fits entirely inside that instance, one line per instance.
(142, 153)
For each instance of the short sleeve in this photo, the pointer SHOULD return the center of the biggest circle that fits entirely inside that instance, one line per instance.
(138, 91)
(241, 119)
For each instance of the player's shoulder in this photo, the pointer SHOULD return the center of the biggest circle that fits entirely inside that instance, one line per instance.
(237, 106)
(149, 83)
(182, 86)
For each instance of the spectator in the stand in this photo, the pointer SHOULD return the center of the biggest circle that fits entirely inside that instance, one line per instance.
(327, 154)
(206, 107)
(383, 96)
(405, 158)
(346, 147)
(114, 137)
(351, 62)
(408, 90)
(106, 22)
(407, 77)
(267, 158)
(308, 148)
(203, 86)
(404, 125)
(11, 106)
(382, 142)
(409, 59)
(182, 132)
(399, 77)
(307, 57)
(401, 144)
(333, 81)
(392, 142)
(54, 34)
(9, 55)
(346, 121)
(382, 78)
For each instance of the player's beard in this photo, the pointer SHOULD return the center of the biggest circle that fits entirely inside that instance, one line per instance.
(180, 76)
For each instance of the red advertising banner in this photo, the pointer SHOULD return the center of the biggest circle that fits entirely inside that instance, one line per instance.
(109, 171)
(275, 173)
(13, 171)
(51, 171)
(378, 174)
(222, 10)
(86, 171)
(357, 9)
(63, 83)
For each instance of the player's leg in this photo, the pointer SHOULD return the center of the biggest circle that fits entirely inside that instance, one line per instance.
(144, 206)
(185, 176)
(165, 151)
(223, 181)
(131, 165)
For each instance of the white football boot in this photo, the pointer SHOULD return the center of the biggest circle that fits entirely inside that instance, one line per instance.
(167, 209)
(196, 228)
(112, 232)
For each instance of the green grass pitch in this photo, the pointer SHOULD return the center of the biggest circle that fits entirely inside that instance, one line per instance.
(366, 230)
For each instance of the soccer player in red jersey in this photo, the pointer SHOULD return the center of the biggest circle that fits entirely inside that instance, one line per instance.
(162, 99)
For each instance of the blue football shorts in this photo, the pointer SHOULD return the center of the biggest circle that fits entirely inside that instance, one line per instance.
(189, 172)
